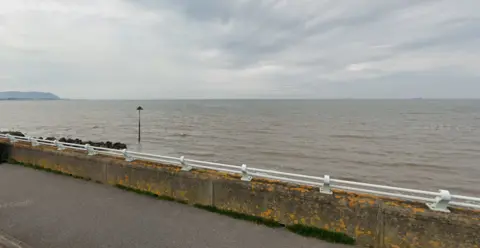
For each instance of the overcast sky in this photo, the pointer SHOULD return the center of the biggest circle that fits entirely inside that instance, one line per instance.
(136, 49)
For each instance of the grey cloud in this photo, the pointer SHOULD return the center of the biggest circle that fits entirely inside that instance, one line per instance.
(241, 48)
(261, 31)
(452, 33)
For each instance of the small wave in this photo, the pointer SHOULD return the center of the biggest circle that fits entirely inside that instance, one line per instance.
(421, 113)
(261, 131)
(199, 154)
(418, 165)
(272, 153)
(369, 153)
(350, 136)
(337, 149)
(180, 135)
(283, 153)
(470, 150)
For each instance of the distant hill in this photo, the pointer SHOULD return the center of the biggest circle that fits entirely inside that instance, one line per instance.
(18, 95)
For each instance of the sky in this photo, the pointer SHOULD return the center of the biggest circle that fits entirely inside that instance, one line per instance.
(163, 49)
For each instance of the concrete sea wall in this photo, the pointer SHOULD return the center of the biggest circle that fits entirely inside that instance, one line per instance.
(373, 221)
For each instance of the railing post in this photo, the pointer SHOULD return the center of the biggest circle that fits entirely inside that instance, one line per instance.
(245, 175)
(90, 150)
(326, 189)
(441, 202)
(33, 141)
(185, 166)
(59, 146)
(11, 139)
(127, 156)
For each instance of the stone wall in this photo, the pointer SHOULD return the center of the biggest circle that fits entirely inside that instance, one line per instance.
(4, 152)
(373, 221)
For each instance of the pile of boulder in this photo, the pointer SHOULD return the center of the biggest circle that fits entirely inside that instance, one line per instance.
(107, 144)
(14, 133)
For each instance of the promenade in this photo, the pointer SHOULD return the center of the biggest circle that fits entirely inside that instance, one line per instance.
(48, 210)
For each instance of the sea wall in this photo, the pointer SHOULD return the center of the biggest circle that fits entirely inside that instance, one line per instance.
(373, 221)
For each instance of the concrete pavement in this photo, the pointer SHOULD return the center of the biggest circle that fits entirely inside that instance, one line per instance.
(7, 241)
(49, 210)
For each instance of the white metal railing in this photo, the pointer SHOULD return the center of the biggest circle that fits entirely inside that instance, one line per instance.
(437, 201)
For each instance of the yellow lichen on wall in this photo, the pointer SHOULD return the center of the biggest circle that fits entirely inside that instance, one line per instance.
(267, 213)
(338, 226)
(300, 189)
(360, 231)
(435, 244)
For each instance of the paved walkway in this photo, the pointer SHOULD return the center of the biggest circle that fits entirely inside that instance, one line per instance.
(7, 241)
(49, 210)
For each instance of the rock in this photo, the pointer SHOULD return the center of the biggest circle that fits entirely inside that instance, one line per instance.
(119, 146)
(14, 133)
(107, 144)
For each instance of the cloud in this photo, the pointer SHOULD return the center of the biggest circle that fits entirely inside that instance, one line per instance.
(241, 48)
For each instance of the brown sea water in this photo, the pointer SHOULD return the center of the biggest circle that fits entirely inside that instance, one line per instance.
(426, 144)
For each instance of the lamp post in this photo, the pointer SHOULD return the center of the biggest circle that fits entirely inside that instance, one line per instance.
(139, 123)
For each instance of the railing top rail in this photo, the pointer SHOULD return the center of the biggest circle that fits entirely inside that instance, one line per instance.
(467, 198)
(442, 199)
(152, 155)
(213, 163)
(415, 191)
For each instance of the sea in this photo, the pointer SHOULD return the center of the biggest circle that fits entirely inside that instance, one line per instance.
(417, 143)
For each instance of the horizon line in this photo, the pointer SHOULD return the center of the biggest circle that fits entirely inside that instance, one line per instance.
(223, 99)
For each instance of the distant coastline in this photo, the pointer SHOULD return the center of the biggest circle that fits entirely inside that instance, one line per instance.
(27, 99)
(22, 96)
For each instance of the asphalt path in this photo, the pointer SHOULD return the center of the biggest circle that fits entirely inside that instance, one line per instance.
(46, 210)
